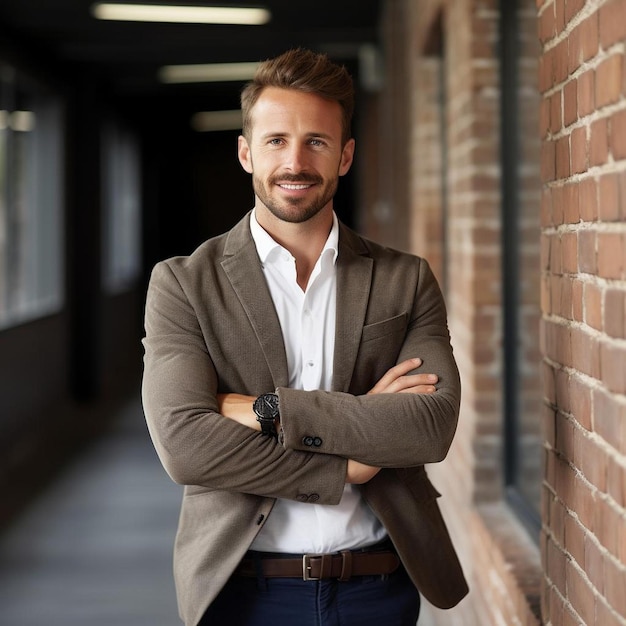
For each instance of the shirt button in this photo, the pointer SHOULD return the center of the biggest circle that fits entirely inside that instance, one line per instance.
(310, 363)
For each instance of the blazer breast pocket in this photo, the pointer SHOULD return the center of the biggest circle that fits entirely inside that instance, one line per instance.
(380, 345)
(385, 329)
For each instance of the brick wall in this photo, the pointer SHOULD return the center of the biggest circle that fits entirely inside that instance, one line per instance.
(438, 192)
(583, 128)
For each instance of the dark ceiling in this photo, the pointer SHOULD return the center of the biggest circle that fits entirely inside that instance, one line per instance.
(126, 56)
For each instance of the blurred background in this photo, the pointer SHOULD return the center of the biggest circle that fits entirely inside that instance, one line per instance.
(491, 140)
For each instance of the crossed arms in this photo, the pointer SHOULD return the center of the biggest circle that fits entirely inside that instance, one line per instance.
(191, 360)
(398, 379)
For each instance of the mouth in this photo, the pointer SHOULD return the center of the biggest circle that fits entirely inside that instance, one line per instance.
(294, 187)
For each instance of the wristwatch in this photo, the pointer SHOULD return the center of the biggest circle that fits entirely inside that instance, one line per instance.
(267, 414)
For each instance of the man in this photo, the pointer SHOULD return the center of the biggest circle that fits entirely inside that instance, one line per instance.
(281, 387)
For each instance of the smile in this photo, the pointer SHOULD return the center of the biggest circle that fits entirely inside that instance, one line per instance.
(293, 187)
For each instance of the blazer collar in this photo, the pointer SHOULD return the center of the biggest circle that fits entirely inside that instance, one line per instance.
(354, 274)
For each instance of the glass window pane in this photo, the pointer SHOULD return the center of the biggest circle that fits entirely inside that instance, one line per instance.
(30, 200)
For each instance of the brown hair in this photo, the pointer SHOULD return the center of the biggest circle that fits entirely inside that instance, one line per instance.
(306, 71)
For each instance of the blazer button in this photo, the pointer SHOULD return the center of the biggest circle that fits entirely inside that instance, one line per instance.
(302, 497)
(307, 441)
(314, 497)
(317, 442)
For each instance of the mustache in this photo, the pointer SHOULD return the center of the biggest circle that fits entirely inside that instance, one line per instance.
(303, 178)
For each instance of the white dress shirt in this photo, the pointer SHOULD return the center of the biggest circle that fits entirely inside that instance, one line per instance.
(307, 320)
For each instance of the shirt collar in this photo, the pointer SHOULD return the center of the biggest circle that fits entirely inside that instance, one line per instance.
(265, 245)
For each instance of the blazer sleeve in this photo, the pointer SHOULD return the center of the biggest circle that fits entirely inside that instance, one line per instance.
(197, 445)
(386, 430)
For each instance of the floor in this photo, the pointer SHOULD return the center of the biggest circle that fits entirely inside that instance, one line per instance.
(96, 547)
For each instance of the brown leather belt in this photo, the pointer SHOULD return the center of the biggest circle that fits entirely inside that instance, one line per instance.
(342, 566)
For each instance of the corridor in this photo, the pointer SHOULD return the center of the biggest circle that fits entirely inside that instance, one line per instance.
(95, 548)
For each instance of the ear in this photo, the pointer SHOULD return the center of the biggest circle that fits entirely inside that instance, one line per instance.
(347, 154)
(243, 152)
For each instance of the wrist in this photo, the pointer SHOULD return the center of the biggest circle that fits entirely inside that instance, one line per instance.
(266, 409)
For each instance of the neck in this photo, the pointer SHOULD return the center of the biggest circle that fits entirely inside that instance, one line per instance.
(305, 240)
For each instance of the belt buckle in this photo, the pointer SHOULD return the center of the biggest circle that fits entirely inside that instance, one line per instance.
(306, 568)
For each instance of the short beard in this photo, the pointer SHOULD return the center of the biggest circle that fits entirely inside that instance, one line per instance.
(300, 213)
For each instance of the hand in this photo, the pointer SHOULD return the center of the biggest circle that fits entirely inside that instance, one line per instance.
(238, 407)
(397, 380)
(359, 473)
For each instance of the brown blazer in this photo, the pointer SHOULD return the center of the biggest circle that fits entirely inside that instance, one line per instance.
(211, 328)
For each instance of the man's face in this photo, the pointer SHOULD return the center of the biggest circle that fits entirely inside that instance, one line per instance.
(295, 153)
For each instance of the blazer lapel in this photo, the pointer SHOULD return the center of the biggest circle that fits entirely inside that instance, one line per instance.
(354, 276)
(243, 269)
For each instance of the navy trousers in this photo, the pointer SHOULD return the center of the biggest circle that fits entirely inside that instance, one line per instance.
(389, 600)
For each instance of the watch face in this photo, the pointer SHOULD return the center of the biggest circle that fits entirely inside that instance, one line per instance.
(266, 406)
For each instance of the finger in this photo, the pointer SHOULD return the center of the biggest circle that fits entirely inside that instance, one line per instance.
(394, 373)
(412, 380)
(424, 389)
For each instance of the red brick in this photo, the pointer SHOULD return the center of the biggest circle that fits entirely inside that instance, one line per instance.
(575, 539)
(613, 363)
(618, 135)
(563, 169)
(615, 577)
(571, 204)
(589, 36)
(609, 80)
(546, 71)
(577, 301)
(546, 207)
(544, 118)
(580, 162)
(585, 352)
(587, 251)
(580, 594)
(609, 210)
(586, 93)
(569, 256)
(609, 420)
(588, 198)
(570, 102)
(610, 255)
(593, 463)
(612, 22)
(593, 305)
(599, 143)
(547, 25)
(615, 313)
(581, 402)
(594, 564)
(560, 61)
(556, 111)
(558, 205)
(548, 161)
(616, 488)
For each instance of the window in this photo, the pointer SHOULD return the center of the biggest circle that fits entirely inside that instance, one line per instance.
(521, 272)
(122, 209)
(31, 256)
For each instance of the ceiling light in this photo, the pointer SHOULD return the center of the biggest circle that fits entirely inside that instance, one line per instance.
(206, 121)
(207, 73)
(181, 14)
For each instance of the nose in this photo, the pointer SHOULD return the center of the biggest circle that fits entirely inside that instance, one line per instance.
(296, 158)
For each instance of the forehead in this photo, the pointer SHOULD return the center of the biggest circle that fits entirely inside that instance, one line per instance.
(290, 111)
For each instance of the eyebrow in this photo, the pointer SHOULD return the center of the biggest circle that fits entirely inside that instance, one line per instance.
(268, 135)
